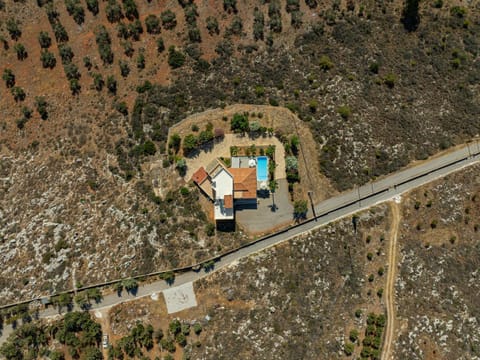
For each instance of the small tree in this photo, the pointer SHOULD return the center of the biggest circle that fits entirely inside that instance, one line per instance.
(176, 59)
(130, 285)
(124, 68)
(48, 59)
(95, 294)
(21, 51)
(122, 108)
(44, 40)
(160, 45)
(344, 111)
(353, 335)
(190, 143)
(41, 105)
(239, 123)
(349, 348)
(92, 6)
(175, 327)
(210, 229)
(169, 20)
(152, 23)
(113, 11)
(300, 209)
(325, 63)
(197, 328)
(181, 166)
(13, 29)
(212, 25)
(291, 163)
(9, 78)
(18, 93)
(112, 84)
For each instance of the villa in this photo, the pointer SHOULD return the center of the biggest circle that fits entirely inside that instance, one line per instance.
(237, 185)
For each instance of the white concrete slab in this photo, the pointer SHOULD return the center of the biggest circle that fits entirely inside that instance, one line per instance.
(180, 298)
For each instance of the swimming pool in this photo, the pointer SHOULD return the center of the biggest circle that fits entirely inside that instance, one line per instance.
(262, 168)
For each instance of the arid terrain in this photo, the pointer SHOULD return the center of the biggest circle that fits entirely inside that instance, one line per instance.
(90, 89)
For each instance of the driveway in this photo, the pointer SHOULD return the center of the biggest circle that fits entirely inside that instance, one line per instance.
(266, 218)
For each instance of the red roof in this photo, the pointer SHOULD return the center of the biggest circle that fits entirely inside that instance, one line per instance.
(244, 182)
(228, 201)
(200, 176)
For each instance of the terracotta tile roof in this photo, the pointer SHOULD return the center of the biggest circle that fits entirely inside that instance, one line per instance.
(244, 182)
(200, 176)
(228, 201)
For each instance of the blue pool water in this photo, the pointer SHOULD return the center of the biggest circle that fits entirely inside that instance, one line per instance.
(262, 168)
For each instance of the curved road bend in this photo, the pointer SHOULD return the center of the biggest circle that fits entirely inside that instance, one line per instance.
(329, 210)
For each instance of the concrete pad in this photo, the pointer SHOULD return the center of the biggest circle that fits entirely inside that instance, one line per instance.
(180, 298)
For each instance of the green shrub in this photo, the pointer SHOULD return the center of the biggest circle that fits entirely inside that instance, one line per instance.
(325, 63)
(348, 349)
(112, 84)
(197, 328)
(169, 20)
(239, 123)
(48, 59)
(60, 33)
(41, 105)
(344, 111)
(258, 24)
(390, 80)
(9, 78)
(458, 11)
(18, 93)
(13, 29)
(176, 59)
(113, 11)
(103, 42)
(44, 40)
(212, 25)
(353, 336)
(380, 292)
(300, 209)
(374, 67)
(92, 6)
(152, 23)
(160, 45)
(210, 229)
(370, 256)
(190, 143)
(122, 107)
(21, 51)
(130, 9)
(124, 68)
(380, 271)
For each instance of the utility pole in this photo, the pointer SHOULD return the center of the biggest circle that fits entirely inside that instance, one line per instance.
(311, 204)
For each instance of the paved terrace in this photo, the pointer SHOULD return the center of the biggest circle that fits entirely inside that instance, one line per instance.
(222, 149)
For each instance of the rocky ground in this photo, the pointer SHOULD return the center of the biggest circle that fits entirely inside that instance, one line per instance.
(437, 286)
(298, 300)
(91, 226)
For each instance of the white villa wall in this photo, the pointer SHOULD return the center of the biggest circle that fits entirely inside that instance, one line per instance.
(223, 184)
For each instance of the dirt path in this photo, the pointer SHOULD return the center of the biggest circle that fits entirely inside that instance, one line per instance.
(390, 286)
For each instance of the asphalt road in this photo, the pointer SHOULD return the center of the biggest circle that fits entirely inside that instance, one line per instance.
(327, 211)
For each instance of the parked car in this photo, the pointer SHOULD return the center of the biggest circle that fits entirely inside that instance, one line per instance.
(105, 341)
